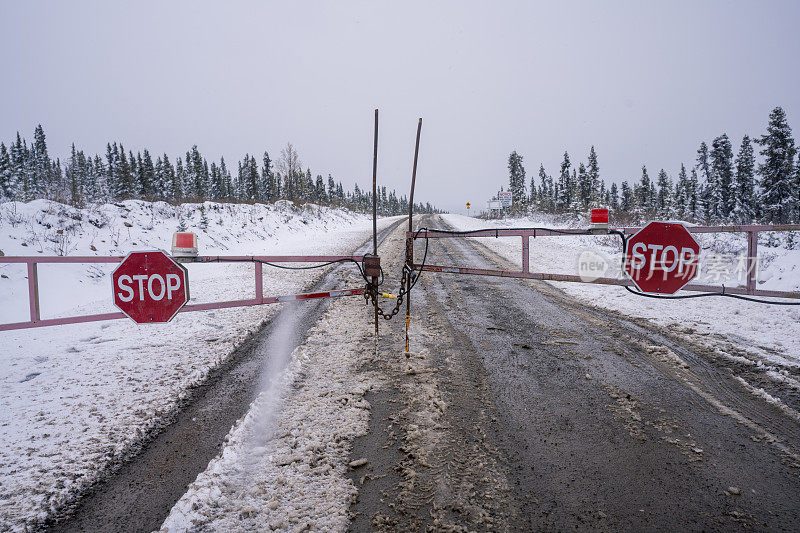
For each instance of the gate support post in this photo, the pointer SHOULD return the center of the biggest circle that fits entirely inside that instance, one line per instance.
(33, 291)
(526, 255)
(752, 260)
(259, 283)
(410, 240)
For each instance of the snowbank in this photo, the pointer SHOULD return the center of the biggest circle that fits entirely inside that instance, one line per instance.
(75, 400)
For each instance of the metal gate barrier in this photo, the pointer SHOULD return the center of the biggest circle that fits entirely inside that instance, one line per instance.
(37, 321)
(750, 287)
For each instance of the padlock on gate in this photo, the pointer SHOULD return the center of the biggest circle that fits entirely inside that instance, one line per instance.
(372, 266)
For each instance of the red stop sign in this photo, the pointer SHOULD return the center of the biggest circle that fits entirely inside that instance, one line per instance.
(662, 257)
(150, 287)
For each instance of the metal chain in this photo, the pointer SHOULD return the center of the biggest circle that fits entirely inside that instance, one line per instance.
(371, 294)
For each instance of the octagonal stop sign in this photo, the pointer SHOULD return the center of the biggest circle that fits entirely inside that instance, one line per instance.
(150, 287)
(662, 257)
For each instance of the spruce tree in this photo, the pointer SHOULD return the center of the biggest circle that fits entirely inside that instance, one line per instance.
(100, 174)
(147, 176)
(41, 177)
(564, 196)
(593, 171)
(643, 191)
(75, 193)
(585, 184)
(171, 185)
(545, 197)
(681, 203)
(778, 194)
(19, 175)
(743, 208)
(6, 186)
(319, 191)
(227, 182)
(125, 185)
(267, 186)
(215, 180)
(706, 186)
(627, 200)
(613, 197)
(693, 199)
(722, 170)
(180, 181)
(332, 197)
(516, 181)
(664, 198)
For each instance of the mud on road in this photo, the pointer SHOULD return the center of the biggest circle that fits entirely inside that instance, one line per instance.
(520, 409)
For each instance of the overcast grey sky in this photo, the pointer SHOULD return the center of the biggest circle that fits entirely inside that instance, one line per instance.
(644, 82)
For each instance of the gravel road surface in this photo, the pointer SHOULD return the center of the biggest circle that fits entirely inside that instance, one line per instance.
(520, 409)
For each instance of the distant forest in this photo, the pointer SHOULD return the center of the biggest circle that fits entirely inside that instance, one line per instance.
(717, 188)
(27, 172)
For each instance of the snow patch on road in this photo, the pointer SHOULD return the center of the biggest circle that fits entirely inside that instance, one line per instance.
(769, 398)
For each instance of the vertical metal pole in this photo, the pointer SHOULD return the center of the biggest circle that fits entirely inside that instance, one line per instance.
(410, 241)
(526, 255)
(259, 283)
(375, 214)
(33, 291)
(752, 261)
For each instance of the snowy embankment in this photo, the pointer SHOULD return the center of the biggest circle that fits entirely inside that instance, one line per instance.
(77, 399)
(770, 332)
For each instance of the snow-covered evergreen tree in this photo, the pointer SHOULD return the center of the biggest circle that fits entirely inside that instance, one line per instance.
(126, 188)
(585, 187)
(743, 197)
(215, 183)
(706, 187)
(332, 195)
(681, 198)
(227, 181)
(778, 194)
(565, 186)
(664, 195)
(40, 176)
(180, 181)
(613, 197)
(722, 171)
(267, 185)
(546, 201)
(7, 187)
(693, 195)
(516, 182)
(319, 191)
(643, 191)
(147, 176)
(73, 178)
(593, 171)
(627, 199)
